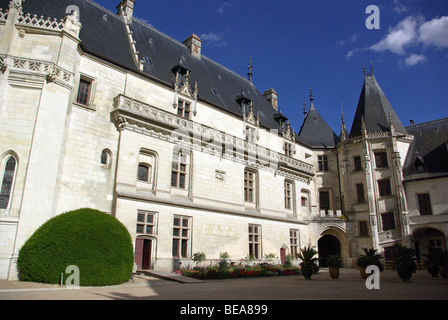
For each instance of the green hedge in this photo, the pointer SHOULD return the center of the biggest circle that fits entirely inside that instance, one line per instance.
(97, 243)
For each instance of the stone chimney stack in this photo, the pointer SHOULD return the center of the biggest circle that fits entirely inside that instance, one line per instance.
(194, 45)
(272, 98)
(126, 8)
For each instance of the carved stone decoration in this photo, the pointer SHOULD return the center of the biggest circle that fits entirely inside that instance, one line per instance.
(3, 64)
(72, 24)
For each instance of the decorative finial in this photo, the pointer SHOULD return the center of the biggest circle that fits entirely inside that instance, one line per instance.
(364, 69)
(371, 67)
(250, 67)
(342, 114)
(311, 98)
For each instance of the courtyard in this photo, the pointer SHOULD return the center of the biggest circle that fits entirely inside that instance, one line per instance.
(349, 286)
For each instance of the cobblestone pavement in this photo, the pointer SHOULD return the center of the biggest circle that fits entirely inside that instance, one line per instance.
(350, 286)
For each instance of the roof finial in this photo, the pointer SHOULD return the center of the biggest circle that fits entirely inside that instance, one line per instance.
(364, 69)
(371, 67)
(311, 98)
(342, 115)
(343, 130)
(250, 67)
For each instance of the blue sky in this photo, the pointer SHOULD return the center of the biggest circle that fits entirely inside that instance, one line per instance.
(323, 44)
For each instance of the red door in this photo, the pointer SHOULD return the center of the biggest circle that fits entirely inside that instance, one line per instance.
(142, 254)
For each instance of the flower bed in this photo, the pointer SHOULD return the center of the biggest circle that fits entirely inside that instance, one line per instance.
(261, 270)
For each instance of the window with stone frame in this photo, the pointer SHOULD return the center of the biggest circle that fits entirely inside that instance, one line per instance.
(363, 228)
(324, 200)
(381, 160)
(146, 222)
(384, 188)
(9, 170)
(360, 193)
(181, 236)
(424, 204)
(388, 221)
(294, 242)
(357, 162)
(179, 170)
(255, 241)
(323, 163)
(84, 95)
(288, 194)
(250, 186)
(251, 134)
(183, 109)
(288, 149)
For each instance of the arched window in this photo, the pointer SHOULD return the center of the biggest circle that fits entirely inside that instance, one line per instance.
(7, 182)
(106, 157)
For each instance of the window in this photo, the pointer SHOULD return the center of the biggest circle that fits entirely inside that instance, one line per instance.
(255, 241)
(424, 204)
(143, 173)
(106, 158)
(294, 242)
(381, 160)
(146, 222)
(250, 134)
(183, 109)
(84, 92)
(324, 200)
(363, 229)
(360, 193)
(249, 186)
(323, 163)
(7, 182)
(288, 149)
(358, 165)
(181, 236)
(304, 199)
(179, 168)
(288, 195)
(388, 221)
(384, 187)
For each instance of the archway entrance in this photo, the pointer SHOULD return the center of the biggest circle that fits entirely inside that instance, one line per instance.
(328, 245)
(426, 238)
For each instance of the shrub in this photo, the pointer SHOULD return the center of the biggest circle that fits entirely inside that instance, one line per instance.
(97, 243)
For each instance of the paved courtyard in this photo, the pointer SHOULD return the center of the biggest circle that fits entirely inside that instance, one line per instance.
(350, 286)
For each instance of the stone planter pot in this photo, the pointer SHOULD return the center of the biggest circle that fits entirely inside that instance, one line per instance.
(334, 273)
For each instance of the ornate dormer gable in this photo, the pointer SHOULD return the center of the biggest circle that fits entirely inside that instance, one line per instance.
(250, 116)
(288, 132)
(183, 88)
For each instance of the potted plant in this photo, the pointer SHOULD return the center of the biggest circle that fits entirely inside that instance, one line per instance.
(370, 257)
(404, 262)
(433, 262)
(308, 263)
(334, 263)
(443, 267)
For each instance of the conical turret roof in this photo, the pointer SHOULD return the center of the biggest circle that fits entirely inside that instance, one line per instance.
(375, 109)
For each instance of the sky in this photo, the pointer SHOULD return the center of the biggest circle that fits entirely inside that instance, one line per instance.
(296, 45)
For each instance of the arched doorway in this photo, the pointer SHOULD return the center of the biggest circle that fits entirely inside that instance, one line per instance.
(327, 245)
(425, 238)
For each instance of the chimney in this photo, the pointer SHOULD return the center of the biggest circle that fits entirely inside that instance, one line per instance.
(194, 45)
(272, 98)
(126, 8)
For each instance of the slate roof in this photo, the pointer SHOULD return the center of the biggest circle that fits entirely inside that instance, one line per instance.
(428, 154)
(375, 108)
(103, 34)
(315, 132)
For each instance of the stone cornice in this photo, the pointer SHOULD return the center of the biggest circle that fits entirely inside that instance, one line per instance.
(133, 115)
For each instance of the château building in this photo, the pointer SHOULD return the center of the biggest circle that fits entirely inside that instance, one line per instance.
(189, 155)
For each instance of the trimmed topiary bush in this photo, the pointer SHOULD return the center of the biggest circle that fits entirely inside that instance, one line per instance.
(97, 243)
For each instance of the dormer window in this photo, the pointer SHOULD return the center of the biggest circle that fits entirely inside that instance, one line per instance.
(183, 109)
(419, 164)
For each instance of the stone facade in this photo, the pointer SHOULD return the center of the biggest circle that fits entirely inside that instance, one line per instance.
(212, 181)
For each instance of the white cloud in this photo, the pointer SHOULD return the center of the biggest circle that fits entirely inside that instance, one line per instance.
(435, 32)
(414, 59)
(213, 39)
(399, 8)
(222, 8)
(403, 35)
